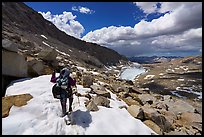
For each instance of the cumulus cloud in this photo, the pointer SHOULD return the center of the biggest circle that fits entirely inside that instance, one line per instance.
(180, 29)
(84, 10)
(147, 7)
(65, 22)
(177, 42)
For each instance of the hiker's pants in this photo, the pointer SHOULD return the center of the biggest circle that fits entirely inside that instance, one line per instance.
(63, 101)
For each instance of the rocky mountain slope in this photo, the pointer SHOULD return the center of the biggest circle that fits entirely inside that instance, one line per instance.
(32, 46)
(31, 22)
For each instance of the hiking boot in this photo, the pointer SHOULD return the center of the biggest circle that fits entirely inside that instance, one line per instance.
(62, 115)
(70, 109)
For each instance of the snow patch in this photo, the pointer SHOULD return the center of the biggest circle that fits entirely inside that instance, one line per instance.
(81, 68)
(149, 76)
(43, 36)
(131, 72)
(95, 73)
(65, 54)
(46, 44)
(180, 79)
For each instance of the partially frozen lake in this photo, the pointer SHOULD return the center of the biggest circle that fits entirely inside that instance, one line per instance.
(130, 72)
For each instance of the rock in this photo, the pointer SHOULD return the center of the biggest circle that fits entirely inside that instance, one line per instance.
(123, 89)
(176, 133)
(119, 88)
(48, 54)
(55, 63)
(159, 119)
(129, 82)
(78, 74)
(138, 100)
(130, 101)
(170, 116)
(9, 45)
(35, 67)
(135, 90)
(136, 112)
(147, 98)
(162, 122)
(86, 102)
(123, 94)
(197, 126)
(87, 96)
(148, 111)
(121, 107)
(167, 97)
(100, 90)
(153, 126)
(92, 106)
(161, 105)
(190, 119)
(87, 81)
(16, 100)
(180, 106)
(103, 93)
(14, 64)
(101, 101)
(97, 87)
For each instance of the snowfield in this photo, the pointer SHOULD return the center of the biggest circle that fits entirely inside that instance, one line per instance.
(41, 116)
(130, 72)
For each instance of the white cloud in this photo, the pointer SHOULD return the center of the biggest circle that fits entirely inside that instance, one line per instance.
(180, 29)
(84, 10)
(147, 7)
(65, 22)
(178, 41)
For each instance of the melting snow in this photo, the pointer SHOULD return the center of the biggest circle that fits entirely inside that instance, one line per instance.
(43, 36)
(130, 72)
(180, 79)
(188, 90)
(149, 76)
(47, 44)
(65, 54)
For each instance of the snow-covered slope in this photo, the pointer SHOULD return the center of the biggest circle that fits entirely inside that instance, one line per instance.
(42, 113)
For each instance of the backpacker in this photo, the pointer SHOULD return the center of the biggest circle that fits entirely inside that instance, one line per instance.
(61, 83)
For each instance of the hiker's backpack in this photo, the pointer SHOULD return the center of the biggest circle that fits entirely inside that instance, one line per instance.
(63, 79)
(61, 83)
(56, 91)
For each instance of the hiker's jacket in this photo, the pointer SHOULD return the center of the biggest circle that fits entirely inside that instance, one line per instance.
(71, 82)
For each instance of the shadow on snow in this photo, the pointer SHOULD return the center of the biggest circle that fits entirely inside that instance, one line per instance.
(82, 118)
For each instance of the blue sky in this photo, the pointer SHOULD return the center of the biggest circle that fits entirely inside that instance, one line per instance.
(106, 13)
(132, 29)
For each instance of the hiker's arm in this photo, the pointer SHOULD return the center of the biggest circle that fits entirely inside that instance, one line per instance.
(53, 78)
(72, 82)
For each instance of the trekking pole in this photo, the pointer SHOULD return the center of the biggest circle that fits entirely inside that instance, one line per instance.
(78, 101)
(78, 97)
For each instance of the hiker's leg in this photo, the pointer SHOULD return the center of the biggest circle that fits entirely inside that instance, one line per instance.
(63, 104)
(70, 103)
